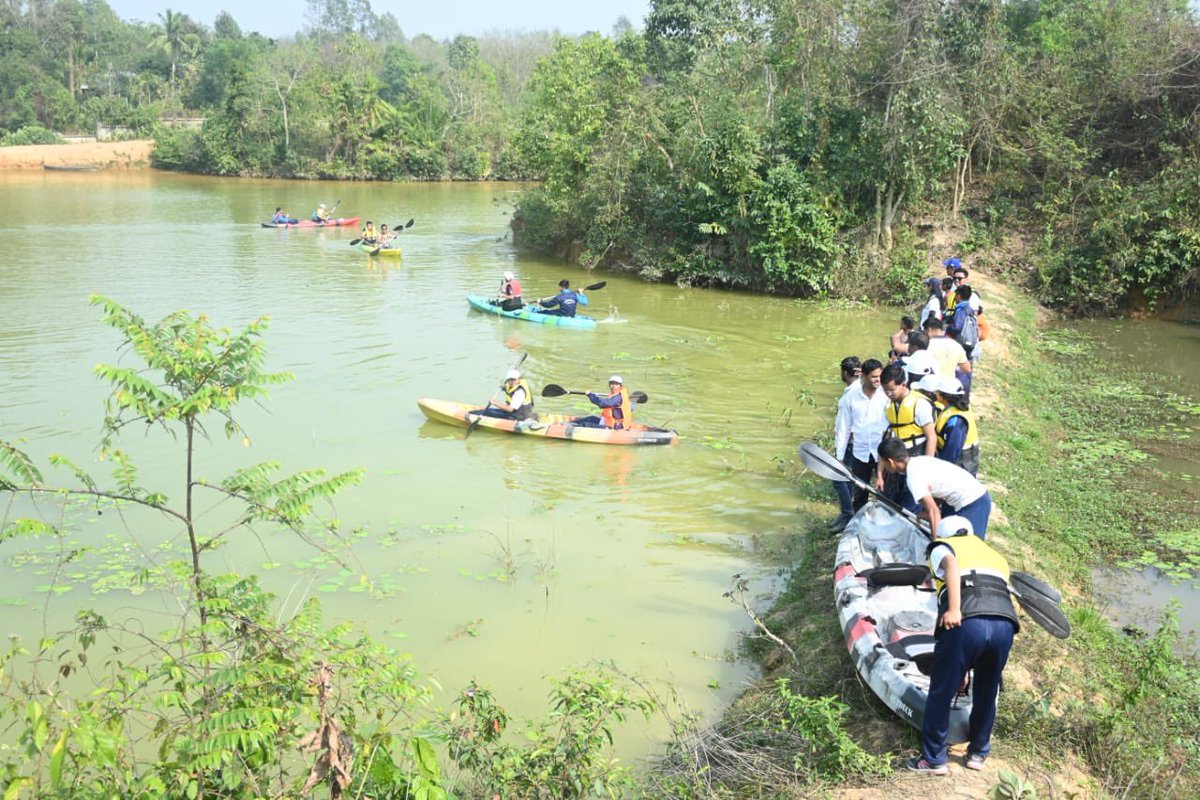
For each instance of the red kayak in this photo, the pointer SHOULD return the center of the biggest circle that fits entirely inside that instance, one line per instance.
(308, 223)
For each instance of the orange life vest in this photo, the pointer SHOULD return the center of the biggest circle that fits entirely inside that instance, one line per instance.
(626, 409)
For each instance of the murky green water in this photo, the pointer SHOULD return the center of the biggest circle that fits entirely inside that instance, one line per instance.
(504, 558)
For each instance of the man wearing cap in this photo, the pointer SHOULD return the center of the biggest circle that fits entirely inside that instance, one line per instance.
(917, 364)
(976, 626)
(509, 296)
(938, 487)
(562, 304)
(957, 430)
(517, 403)
(616, 412)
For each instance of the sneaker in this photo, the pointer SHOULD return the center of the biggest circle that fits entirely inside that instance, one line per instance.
(919, 764)
(975, 761)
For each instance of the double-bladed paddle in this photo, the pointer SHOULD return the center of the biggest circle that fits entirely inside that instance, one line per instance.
(554, 390)
(829, 467)
(595, 287)
(396, 229)
(479, 417)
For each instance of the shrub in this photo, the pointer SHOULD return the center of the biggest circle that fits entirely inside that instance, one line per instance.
(30, 134)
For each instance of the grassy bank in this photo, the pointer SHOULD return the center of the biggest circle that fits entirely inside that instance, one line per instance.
(1106, 713)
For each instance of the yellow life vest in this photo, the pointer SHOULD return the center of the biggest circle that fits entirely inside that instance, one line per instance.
(945, 415)
(902, 420)
(525, 411)
(983, 573)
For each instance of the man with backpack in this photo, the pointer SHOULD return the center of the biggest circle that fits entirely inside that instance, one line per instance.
(964, 324)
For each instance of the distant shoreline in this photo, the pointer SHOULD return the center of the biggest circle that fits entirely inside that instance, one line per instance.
(103, 155)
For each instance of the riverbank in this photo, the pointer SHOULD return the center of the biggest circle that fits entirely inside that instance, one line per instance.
(1103, 714)
(87, 155)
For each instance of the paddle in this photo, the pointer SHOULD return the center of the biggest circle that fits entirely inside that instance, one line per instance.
(1025, 582)
(479, 417)
(330, 212)
(1043, 612)
(829, 467)
(595, 287)
(554, 390)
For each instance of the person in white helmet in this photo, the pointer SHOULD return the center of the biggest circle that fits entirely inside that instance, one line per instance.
(509, 296)
(320, 215)
(616, 410)
(517, 403)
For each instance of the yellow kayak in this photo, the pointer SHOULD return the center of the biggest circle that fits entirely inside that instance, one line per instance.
(549, 426)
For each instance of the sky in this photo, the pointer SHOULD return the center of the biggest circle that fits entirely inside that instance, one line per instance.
(441, 19)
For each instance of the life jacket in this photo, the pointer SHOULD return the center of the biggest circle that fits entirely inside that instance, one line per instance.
(370, 235)
(625, 412)
(524, 411)
(968, 459)
(983, 575)
(510, 288)
(902, 420)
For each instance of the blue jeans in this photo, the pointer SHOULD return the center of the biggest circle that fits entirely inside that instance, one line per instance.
(976, 511)
(845, 496)
(981, 643)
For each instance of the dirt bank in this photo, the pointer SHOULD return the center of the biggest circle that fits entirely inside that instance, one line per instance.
(100, 155)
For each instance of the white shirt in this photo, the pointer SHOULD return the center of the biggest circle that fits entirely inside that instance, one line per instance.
(863, 418)
(518, 399)
(933, 308)
(950, 483)
(947, 355)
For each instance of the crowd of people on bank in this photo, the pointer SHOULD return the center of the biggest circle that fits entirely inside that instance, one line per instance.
(907, 428)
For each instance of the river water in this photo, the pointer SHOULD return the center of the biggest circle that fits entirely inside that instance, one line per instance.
(498, 558)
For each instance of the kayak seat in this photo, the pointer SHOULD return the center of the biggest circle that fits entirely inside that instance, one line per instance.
(917, 648)
(896, 574)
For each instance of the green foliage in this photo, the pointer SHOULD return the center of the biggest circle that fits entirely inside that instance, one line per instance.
(1012, 787)
(828, 750)
(30, 134)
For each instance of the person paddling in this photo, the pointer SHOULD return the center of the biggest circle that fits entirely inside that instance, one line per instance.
(320, 216)
(517, 403)
(562, 304)
(509, 296)
(282, 217)
(369, 234)
(385, 235)
(616, 411)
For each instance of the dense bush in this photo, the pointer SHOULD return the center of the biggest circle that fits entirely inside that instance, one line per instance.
(30, 134)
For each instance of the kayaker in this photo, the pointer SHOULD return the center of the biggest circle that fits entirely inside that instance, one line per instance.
(369, 234)
(320, 215)
(517, 403)
(899, 340)
(616, 412)
(938, 487)
(282, 217)
(860, 425)
(385, 235)
(509, 296)
(976, 626)
(957, 429)
(562, 304)
(851, 370)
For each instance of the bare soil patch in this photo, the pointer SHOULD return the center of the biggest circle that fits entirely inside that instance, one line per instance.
(99, 155)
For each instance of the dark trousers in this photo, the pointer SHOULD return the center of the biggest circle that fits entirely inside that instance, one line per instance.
(558, 312)
(864, 471)
(511, 304)
(977, 511)
(492, 411)
(982, 644)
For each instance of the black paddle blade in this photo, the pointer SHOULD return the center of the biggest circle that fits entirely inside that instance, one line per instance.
(639, 397)
(354, 242)
(1029, 584)
(553, 390)
(408, 224)
(595, 286)
(1044, 613)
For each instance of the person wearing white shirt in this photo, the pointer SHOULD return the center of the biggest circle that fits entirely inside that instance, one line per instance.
(939, 487)
(851, 371)
(933, 306)
(861, 422)
(949, 357)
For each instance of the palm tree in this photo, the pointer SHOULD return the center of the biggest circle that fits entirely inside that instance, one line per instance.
(174, 38)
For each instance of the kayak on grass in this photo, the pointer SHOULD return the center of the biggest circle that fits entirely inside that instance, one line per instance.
(487, 304)
(308, 223)
(888, 610)
(548, 426)
(376, 250)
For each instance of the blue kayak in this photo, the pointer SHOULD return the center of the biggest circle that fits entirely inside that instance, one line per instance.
(528, 314)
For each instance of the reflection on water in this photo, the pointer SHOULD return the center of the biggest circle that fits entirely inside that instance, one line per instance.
(554, 553)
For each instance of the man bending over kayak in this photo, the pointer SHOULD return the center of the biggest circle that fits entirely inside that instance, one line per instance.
(616, 412)
(562, 304)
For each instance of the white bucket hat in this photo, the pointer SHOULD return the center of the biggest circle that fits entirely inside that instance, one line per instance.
(616, 379)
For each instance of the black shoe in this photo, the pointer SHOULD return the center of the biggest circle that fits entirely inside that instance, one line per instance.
(839, 524)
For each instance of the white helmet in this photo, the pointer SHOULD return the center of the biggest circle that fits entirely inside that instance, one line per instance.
(955, 525)
(508, 276)
(950, 386)
(616, 379)
(513, 375)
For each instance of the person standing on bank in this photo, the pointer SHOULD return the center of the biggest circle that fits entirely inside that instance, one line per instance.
(976, 626)
(861, 422)
(851, 369)
(956, 426)
(938, 487)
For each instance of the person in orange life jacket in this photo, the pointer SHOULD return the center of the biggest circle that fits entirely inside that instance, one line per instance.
(616, 411)
(517, 403)
(976, 626)
(939, 487)
(562, 304)
(283, 218)
(369, 236)
(509, 297)
(910, 419)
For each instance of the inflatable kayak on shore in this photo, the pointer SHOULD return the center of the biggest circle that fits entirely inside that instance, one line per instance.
(376, 250)
(481, 303)
(888, 610)
(548, 426)
(308, 223)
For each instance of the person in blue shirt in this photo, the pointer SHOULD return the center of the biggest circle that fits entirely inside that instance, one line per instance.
(283, 218)
(562, 304)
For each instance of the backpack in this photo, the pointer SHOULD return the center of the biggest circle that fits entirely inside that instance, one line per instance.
(968, 337)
